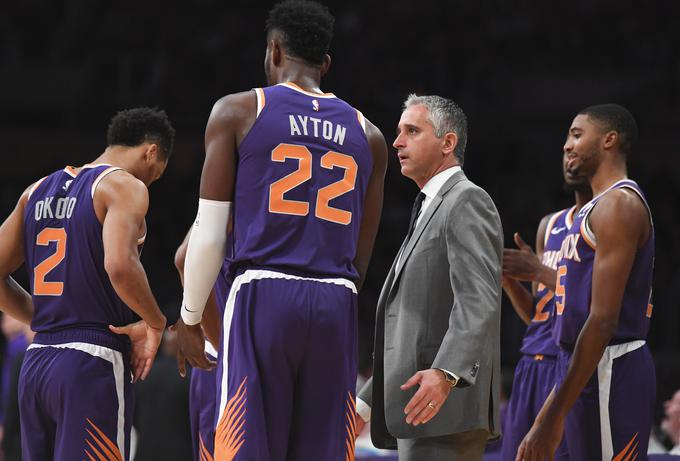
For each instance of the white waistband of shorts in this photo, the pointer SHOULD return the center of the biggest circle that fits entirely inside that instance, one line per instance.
(617, 350)
(259, 274)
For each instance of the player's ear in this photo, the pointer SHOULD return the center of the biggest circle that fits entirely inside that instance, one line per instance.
(276, 52)
(610, 139)
(151, 153)
(326, 64)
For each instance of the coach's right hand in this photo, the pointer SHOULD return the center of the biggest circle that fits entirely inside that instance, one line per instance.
(191, 347)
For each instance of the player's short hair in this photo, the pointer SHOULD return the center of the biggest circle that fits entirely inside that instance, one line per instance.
(133, 127)
(614, 117)
(307, 28)
(446, 116)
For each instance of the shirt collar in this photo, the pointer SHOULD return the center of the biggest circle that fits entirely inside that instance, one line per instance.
(431, 188)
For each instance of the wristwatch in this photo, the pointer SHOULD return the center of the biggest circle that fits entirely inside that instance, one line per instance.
(449, 378)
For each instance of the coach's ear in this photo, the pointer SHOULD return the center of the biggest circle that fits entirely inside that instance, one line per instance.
(326, 64)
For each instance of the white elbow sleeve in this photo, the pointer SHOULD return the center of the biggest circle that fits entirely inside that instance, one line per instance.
(205, 255)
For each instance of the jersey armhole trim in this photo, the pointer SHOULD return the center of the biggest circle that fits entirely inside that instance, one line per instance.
(362, 120)
(101, 176)
(549, 226)
(644, 202)
(261, 100)
(35, 186)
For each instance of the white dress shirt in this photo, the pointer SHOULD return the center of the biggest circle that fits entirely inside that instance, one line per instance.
(431, 189)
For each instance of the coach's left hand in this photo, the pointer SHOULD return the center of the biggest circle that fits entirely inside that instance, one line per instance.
(431, 395)
(191, 347)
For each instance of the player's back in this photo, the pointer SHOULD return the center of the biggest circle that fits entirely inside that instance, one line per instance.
(303, 171)
(64, 254)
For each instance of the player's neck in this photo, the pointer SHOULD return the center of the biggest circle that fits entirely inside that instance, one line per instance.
(581, 197)
(307, 78)
(116, 156)
(606, 176)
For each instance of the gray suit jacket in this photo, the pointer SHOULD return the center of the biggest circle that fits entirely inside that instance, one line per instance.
(441, 309)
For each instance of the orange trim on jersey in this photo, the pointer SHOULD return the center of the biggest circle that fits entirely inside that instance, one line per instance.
(101, 448)
(35, 186)
(230, 431)
(630, 452)
(350, 427)
(362, 120)
(584, 233)
(70, 170)
(261, 100)
(549, 226)
(308, 93)
(650, 309)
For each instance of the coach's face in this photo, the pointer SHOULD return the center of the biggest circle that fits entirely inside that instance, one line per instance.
(421, 153)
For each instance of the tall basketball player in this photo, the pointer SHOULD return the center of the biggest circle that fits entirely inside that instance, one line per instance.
(535, 372)
(604, 397)
(304, 171)
(79, 232)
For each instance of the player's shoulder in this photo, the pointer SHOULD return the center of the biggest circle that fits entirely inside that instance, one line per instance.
(622, 200)
(122, 184)
(234, 105)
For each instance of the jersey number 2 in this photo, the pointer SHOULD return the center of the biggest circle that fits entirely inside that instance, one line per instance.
(330, 160)
(40, 286)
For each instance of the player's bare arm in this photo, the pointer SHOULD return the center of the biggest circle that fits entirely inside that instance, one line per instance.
(620, 223)
(211, 318)
(523, 301)
(373, 202)
(14, 300)
(121, 202)
(229, 122)
(525, 265)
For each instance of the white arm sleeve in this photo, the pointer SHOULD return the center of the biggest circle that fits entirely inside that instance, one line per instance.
(205, 255)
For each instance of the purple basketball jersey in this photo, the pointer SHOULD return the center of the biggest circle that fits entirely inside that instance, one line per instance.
(64, 254)
(575, 274)
(303, 170)
(538, 338)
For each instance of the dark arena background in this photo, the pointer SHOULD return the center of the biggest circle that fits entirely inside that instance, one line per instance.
(520, 70)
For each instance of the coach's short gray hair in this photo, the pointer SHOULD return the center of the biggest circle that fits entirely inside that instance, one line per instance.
(446, 116)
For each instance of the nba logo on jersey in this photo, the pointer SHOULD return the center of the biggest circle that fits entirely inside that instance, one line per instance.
(315, 105)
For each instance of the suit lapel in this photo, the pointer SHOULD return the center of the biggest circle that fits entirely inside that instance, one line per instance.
(420, 228)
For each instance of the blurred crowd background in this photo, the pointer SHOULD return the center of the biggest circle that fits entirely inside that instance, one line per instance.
(520, 69)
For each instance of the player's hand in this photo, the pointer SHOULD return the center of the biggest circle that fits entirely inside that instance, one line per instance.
(145, 341)
(542, 441)
(521, 264)
(433, 390)
(191, 347)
